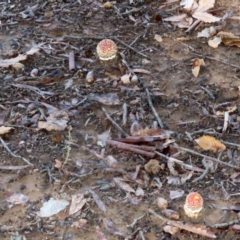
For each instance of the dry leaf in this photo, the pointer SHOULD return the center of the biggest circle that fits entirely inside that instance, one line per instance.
(210, 143)
(206, 17)
(158, 38)
(185, 22)
(170, 229)
(197, 63)
(214, 42)
(78, 201)
(152, 166)
(201, 11)
(126, 78)
(195, 71)
(98, 201)
(171, 164)
(169, 213)
(107, 4)
(57, 120)
(187, 4)
(90, 77)
(4, 130)
(207, 32)
(58, 164)
(123, 185)
(8, 62)
(80, 223)
(229, 39)
(18, 66)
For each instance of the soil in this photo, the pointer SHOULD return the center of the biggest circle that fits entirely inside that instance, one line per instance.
(187, 106)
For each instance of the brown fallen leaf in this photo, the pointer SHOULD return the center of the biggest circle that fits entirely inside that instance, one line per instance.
(78, 201)
(123, 185)
(8, 62)
(197, 63)
(4, 130)
(152, 166)
(98, 201)
(57, 120)
(210, 143)
(214, 42)
(169, 213)
(170, 229)
(229, 39)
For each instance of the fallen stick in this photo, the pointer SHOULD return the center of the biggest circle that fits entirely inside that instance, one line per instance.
(14, 155)
(132, 149)
(114, 123)
(153, 109)
(208, 157)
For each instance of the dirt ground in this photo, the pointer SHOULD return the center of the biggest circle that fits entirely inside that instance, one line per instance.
(38, 164)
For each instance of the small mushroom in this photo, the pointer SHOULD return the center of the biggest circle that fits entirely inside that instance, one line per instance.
(107, 50)
(193, 205)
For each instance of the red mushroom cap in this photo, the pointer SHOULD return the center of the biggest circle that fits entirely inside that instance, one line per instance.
(106, 49)
(194, 201)
(193, 204)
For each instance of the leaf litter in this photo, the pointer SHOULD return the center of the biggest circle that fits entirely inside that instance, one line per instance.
(60, 125)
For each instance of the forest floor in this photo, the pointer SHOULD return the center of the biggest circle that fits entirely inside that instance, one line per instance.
(71, 126)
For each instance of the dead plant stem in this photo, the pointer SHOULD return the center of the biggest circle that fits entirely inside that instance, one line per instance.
(153, 109)
(207, 157)
(130, 148)
(114, 123)
(14, 155)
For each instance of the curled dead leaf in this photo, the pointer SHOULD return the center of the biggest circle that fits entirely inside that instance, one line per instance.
(229, 39)
(152, 166)
(197, 63)
(171, 214)
(170, 229)
(162, 203)
(214, 42)
(4, 130)
(210, 143)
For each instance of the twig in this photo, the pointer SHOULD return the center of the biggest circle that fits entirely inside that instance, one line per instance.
(204, 173)
(193, 25)
(132, 225)
(153, 109)
(226, 224)
(128, 46)
(127, 147)
(204, 156)
(132, 11)
(187, 166)
(14, 155)
(231, 144)
(68, 146)
(71, 61)
(114, 123)
(215, 59)
(204, 231)
(124, 114)
(208, 92)
(14, 167)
